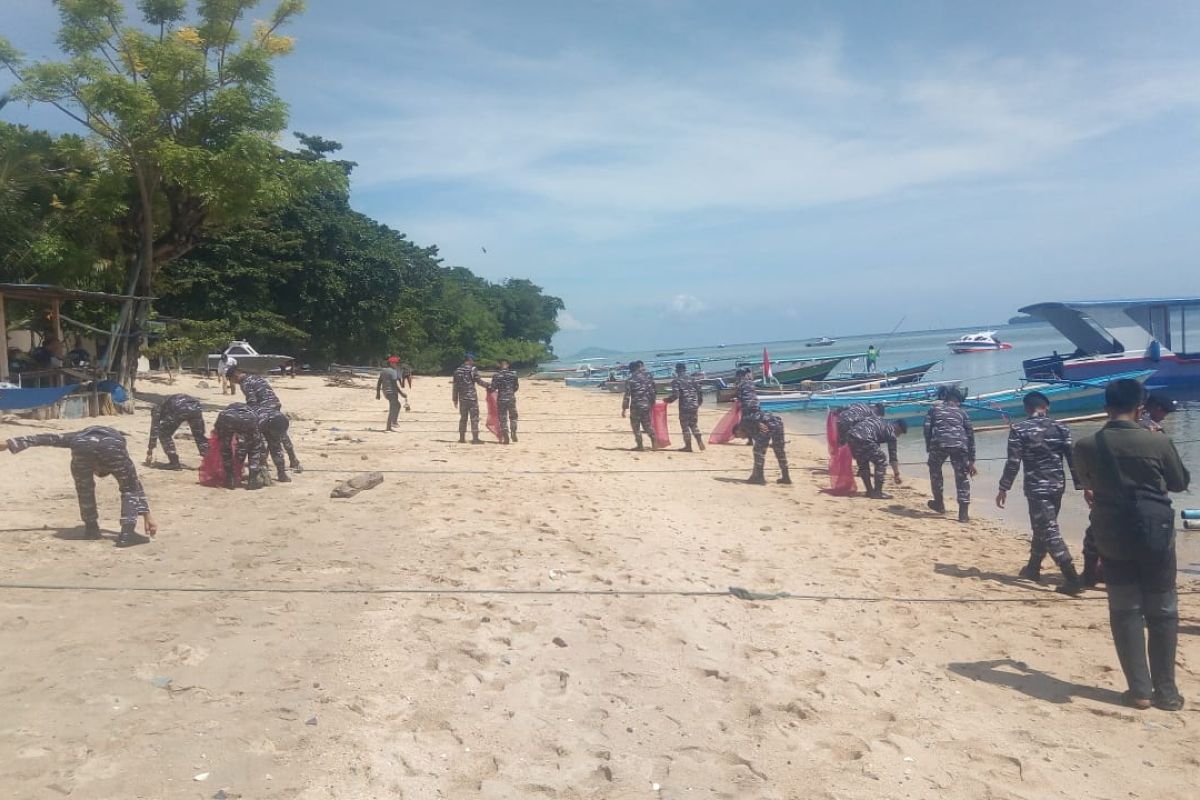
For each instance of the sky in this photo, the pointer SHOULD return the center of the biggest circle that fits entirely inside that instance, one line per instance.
(691, 172)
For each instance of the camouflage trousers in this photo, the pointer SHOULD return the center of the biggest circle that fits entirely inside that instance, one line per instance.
(133, 499)
(689, 421)
(163, 427)
(962, 477)
(774, 437)
(278, 441)
(468, 409)
(251, 450)
(867, 455)
(508, 417)
(639, 421)
(1047, 537)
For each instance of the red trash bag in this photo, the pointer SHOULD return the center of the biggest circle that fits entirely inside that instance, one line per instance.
(722, 432)
(212, 468)
(841, 462)
(658, 423)
(493, 417)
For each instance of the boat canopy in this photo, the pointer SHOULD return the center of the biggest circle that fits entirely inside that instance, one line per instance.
(1116, 326)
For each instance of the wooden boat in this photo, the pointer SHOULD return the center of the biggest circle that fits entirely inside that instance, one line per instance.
(786, 380)
(840, 398)
(891, 377)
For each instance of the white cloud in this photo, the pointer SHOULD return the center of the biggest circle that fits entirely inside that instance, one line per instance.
(567, 322)
(685, 305)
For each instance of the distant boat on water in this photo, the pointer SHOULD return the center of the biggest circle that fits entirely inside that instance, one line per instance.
(670, 355)
(981, 342)
(824, 341)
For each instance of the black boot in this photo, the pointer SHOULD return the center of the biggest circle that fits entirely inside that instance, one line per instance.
(639, 446)
(937, 504)
(757, 477)
(173, 462)
(700, 443)
(514, 435)
(128, 537)
(1162, 628)
(963, 516)
(91, 530)
(255, 481)
(1127, 624)
(230, 481)
(785, 475)
(687, 447)
(462, 437)
(880, 494)
(475, 439)
(1033, 570)
(504, 438)
(1071, 584)
(295, 466)
(282, 476)
(1091, 570)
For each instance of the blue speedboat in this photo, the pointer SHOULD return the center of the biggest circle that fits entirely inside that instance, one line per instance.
(1162, 336)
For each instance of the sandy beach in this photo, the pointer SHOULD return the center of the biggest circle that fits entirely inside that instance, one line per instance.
(550, 619)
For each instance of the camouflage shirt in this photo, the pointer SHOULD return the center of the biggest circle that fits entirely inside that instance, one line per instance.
(685, 389)
(947, 427)
(466, 378)
(640, 391)
(747, 394)
(258, 392)
(850, 416)
(103, 448)
(506, 385)
(876, 431)
(1039, 444)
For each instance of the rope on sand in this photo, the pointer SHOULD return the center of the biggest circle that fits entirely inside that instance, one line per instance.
(733, 591)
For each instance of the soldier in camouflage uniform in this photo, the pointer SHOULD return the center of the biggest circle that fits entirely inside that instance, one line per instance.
(763, 429)
(685, 389)
(506, 385)
(466, 399)
(1040, 444)
(165, 419)
(638, 401)
(242, 421)
(96, 452)
(950, 435)
(867, 439)
(262, 400)
(853, 414)
(747, 392)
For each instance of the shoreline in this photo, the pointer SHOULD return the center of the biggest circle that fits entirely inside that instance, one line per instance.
(965, 683)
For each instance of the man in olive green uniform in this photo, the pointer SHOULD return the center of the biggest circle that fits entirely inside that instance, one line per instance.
(1127, 471)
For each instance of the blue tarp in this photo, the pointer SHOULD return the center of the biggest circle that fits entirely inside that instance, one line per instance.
(21, 399)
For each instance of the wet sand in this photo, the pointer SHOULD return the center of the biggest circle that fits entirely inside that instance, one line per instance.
(549, 619)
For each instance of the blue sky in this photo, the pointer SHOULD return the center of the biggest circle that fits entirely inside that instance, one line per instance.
(700, 172)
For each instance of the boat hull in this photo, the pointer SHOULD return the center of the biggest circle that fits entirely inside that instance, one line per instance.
(1170, 371)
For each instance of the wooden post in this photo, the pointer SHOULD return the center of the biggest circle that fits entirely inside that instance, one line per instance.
(4, 339)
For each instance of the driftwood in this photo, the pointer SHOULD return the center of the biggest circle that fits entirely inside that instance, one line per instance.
(359, 483)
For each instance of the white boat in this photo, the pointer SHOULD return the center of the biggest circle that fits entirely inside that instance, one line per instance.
(824, 341)
(978, 343)
(247, 358)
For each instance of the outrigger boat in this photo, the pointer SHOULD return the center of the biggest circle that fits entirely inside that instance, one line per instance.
(785, 380)
(1121, 335)
(891, 377)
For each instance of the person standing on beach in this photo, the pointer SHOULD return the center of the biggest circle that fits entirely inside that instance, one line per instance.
(389, 386)
(872, 358)
(165, 419)
(466, 399)
(763, 429)
(506, 385)
(242, 421)
(949, 435)
(685, 389)
(1127, 472)
(96, 452)
(867, 439)
(223, 365)
(262, 400)
(638, 401)
(1040, 445)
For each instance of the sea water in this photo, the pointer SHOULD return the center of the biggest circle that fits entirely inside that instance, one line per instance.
(977, 373)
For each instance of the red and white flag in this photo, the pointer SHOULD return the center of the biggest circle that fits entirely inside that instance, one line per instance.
(766, 365)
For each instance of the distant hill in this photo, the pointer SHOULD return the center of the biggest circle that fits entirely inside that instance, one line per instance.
(592, 352)
(1023, 319)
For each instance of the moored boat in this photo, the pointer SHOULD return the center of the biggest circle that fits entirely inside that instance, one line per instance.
(248, 359)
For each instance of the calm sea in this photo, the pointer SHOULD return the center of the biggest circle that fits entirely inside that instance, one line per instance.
(978, 372)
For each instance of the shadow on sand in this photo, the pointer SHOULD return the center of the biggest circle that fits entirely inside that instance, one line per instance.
(1020, 677)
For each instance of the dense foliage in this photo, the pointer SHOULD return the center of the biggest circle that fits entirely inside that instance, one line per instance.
(181, 192)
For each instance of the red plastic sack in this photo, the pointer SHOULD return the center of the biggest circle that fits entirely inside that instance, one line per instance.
(493, 417)
(658, 422)
(722, 432)
(841, 461)
(212, 468)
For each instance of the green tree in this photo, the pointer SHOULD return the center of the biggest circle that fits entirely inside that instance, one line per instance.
(186, 116)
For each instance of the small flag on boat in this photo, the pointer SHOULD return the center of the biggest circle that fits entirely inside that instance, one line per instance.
(766, 364)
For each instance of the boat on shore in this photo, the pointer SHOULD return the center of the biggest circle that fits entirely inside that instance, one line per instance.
(1115, 336)
(892, 377)
(248, 359)
(982, 342)
(786, 380)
